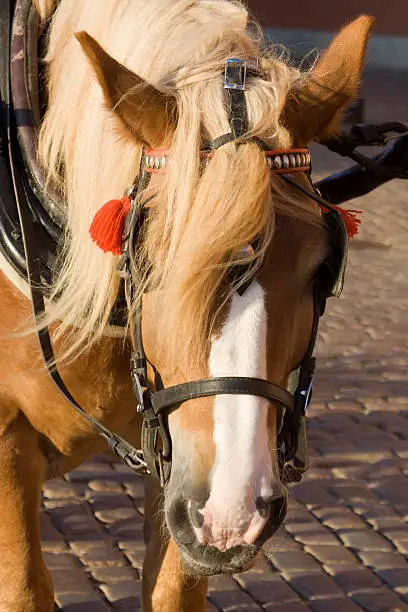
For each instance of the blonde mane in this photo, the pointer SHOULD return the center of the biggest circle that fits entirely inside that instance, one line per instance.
(203, 218)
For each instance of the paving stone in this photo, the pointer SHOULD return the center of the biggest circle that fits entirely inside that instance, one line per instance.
(348, 458)
(127, 605)
(300, 526)
(313, 495)
(100, 463)
(81, 602)
(81, 545)
(113, 574)
(364, 540)
(402, 510)
(71, 581)
(61, 561)
(106, 500)
(352, 577)
(111, 486)
(222, 583)
(74, 519)
(340, 604)
(130, 527)
(380, 516)
(295, 560)
(267, 588)
(234, 600)
(380, 600)
(395, 492)
(103, 556)
(51, 539)
(59, 489)
(319, 473)
(351, 493)
(128, 590)
(132, 545)
(340, 518)
(319, 536)
(118, 514)
(402, 546)
(283, 541)
(134, 488)
(312, 586)
(330, 554)
(351, 473)
(383, 560)
(396, 577)
(85, 475)
(124, 471)
(396, 534)
(288, 607)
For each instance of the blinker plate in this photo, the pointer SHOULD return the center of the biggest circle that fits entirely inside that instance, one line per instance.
(235, 74)
(337, 260)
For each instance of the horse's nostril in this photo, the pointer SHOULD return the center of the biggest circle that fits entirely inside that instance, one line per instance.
(276, 512)
(263, 505)
(196, 517)
(277, 509)
(266, 505)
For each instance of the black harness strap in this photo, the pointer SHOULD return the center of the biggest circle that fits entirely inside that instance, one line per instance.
(234, 83)
(170, 398)
(292, 437)
(131, 456)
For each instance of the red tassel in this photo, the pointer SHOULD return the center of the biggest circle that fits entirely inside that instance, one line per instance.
(350, 218)
(108, 225)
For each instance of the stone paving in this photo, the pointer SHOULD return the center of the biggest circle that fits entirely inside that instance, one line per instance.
(345, 540)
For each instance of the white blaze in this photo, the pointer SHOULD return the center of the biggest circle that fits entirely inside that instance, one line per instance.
(242, 470)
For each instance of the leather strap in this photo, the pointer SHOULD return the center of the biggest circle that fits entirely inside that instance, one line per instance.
(29, 228)
(337, 231)
(169, 399)
(230, 137)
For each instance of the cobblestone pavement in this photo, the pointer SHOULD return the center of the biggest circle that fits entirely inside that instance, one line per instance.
(345, 540)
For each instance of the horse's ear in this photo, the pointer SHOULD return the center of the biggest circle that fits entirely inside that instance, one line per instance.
(146, 112)
(315, 105)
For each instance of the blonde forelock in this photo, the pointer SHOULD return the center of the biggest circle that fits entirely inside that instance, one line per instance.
(203, 215)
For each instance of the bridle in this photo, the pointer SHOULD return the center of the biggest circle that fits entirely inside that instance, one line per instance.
(155, 404)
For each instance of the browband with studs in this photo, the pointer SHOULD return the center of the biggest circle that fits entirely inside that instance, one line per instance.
(280, 161)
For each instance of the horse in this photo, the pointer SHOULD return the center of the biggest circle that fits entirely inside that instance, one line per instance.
(228, 257)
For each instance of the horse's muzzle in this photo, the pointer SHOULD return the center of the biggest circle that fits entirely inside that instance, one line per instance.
(204, 559)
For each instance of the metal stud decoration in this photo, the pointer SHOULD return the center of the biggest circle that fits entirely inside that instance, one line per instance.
(280, 161)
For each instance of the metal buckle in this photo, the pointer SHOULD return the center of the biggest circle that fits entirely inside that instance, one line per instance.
(137, 389)
(235, 74)
(306, 395)
(136, 461)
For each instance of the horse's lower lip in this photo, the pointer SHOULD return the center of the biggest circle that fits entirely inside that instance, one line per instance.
(199, 568)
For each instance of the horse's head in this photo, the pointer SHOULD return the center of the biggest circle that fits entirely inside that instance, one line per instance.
(225, 495)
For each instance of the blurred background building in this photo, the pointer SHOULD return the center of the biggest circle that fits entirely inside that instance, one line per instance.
(302, 26)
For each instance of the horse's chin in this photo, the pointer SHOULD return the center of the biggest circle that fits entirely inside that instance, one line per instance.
(214, 562)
